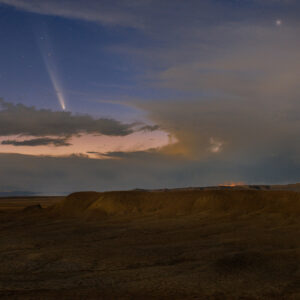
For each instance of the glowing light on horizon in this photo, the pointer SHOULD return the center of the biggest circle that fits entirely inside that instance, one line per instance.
(278, 22)
(232, 184)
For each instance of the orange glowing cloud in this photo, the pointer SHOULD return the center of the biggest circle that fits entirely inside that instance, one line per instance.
(89, 145)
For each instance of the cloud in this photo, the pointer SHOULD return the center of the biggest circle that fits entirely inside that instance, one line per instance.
(149, 128)
(106, 12)
(57, 142)
(227, 129)
(239, 101)
(18, 119)
(242, 68)
(137, 155)
(49, 175)
(177, 15)
(133, 154)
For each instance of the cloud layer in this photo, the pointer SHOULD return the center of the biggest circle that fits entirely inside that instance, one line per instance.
(18, 119)
(106, 12)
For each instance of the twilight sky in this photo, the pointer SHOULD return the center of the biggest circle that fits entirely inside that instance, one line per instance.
(122, 94)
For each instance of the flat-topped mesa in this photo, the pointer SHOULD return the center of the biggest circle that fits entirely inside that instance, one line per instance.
(172, 202)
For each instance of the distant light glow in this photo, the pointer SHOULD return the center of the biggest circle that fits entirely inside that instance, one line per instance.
(278, 22)
(232, 184)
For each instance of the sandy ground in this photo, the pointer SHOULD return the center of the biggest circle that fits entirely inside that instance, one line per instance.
(205, 255)
(19, 203)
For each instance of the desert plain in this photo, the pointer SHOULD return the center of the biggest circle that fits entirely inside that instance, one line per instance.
(166, 244)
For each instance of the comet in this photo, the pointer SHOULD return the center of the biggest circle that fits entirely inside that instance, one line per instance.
(47, 54)
(56, 85)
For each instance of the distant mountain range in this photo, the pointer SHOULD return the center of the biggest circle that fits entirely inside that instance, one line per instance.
(277, 187)
(17, 194)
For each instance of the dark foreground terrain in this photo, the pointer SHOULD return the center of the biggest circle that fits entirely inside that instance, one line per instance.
(152, 245)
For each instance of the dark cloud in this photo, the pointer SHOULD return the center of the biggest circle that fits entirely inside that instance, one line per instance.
(228, 129)
(18, 119)
(149, 128)
(57, 142)
(128, 155)
(132, 154)
(238, 103)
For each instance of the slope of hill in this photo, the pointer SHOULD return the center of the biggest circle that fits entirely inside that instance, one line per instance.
(179, 202)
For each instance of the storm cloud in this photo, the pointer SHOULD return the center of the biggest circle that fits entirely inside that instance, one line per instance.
(237, 103)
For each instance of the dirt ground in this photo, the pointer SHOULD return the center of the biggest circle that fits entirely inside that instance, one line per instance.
(204, 255)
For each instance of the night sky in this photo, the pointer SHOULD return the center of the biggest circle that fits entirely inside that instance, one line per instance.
(106, 95)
